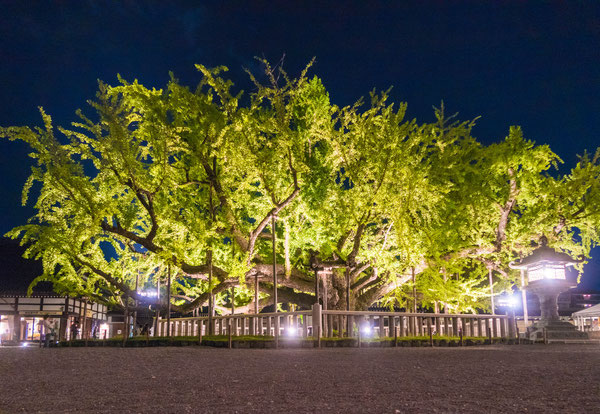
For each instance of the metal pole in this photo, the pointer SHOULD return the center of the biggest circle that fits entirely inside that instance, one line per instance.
(524, 297)
(491, 290)
(169, 300)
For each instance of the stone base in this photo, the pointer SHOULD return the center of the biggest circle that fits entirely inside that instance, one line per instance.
(554, 330)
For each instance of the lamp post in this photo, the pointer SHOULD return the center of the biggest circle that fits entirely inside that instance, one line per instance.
(546, 271)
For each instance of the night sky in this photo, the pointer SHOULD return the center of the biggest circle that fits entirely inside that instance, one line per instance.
(534, 64)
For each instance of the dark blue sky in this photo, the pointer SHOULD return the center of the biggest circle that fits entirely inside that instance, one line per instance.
(535, 64)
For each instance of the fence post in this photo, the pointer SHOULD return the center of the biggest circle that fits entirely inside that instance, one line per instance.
(429, 330)
(316, 320)
(229, 333)
(511, 325)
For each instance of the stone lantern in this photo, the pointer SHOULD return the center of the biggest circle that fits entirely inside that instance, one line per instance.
(546, 271)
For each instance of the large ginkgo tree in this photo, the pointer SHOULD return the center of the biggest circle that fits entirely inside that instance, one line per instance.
(186, 186)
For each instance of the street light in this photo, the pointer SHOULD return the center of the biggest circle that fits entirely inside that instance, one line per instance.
(546, 271)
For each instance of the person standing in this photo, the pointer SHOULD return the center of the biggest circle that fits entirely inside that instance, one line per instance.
(74, 330)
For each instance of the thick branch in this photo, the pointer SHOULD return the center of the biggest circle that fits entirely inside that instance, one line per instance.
(506, 210)
(357, 238)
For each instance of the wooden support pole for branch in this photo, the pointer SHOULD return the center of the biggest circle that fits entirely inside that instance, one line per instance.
(169, 300)
(524, 298)
(414, 291)
(126, 321)
(135, 301)
(347, 288)
(324, 279)
(317, 286)
(274, 229)
(210, 295)
(445, 276)
(210, 256)
(491, 290)
(84, 327)
(157, 307)
(256, 294)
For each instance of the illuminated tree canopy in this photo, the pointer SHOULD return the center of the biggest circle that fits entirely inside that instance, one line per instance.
(190, 179)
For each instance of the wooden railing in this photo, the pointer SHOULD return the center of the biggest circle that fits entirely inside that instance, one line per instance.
(330, 323)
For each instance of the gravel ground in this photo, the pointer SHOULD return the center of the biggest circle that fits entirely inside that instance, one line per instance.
(554, 378)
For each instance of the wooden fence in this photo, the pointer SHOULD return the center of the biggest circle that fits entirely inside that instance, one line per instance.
(334, 323)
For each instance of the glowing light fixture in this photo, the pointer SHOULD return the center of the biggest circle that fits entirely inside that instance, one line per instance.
(546, 271)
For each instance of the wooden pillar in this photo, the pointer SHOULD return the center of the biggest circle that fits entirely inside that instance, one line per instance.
(401, 322)
(381, 327)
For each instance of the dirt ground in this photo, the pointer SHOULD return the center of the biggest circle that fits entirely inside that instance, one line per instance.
(527, 378)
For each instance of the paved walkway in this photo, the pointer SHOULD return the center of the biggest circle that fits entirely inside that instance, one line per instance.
(534, 378)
